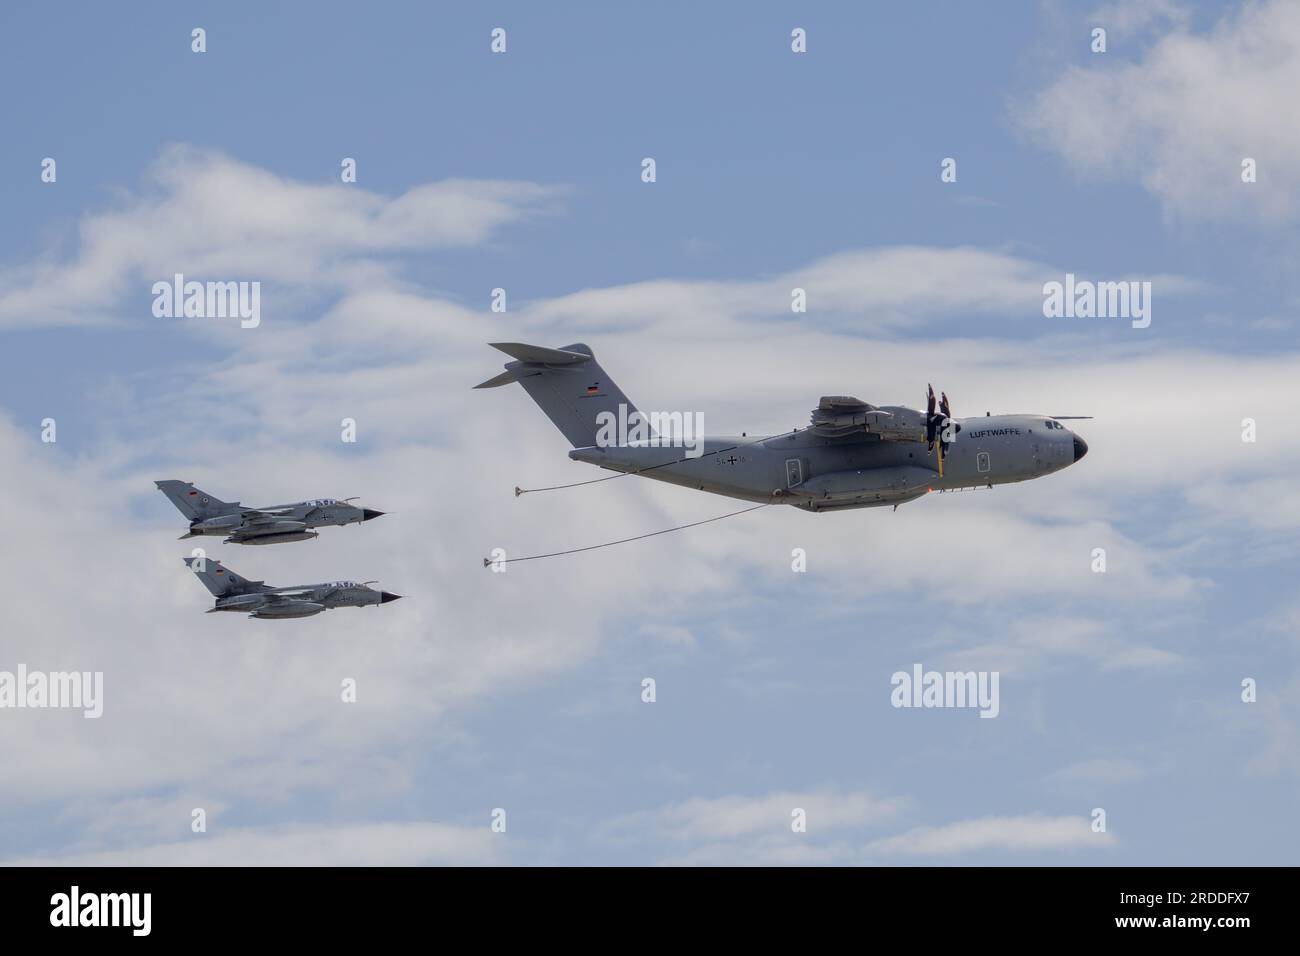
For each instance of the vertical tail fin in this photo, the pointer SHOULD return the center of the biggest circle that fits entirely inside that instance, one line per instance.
(193, 503)
(219, 579)
(567, 384)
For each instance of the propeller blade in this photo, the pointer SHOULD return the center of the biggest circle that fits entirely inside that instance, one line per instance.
(929, 417)
(944, 424)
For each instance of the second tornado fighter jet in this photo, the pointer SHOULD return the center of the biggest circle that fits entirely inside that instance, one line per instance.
(254, 598)
(273, 524)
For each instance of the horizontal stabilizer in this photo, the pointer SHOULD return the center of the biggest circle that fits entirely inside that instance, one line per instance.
(539, 355)
(568, 384)
(505, 378)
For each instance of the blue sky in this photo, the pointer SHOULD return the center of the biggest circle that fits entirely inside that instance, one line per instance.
(775, 170)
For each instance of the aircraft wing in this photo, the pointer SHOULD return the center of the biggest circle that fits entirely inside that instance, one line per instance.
(292, 595)
(269, 523)
(281, 597)
(849, 419)
(265, 514)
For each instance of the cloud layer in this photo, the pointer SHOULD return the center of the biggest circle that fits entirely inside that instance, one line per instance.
(1182, 115)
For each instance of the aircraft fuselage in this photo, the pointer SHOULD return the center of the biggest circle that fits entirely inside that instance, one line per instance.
(809, 471)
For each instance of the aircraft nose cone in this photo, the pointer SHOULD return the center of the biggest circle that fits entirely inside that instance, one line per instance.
(386, 596)
(1080, 448)
(368, 513)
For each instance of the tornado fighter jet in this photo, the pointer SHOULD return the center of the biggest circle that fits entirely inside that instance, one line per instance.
(254, 598)
(852, 455)
(271, 525)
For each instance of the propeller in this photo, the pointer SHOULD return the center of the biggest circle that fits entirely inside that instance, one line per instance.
(937, 423)
(929, 418)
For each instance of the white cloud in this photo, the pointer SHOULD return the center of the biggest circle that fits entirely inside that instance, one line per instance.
(1133, 17)
(860, 291)
(1033, 833)
(1101, 770)
(1181, 118)
(738, 830)
(1034, 641)
(365, 844)
(755, 831)
(702, 820)
(211, 217)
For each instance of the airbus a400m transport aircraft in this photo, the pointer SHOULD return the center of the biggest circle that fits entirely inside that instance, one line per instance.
(853, 455)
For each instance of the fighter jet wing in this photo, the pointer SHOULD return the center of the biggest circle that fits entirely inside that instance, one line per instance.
(282, 596)
(258, 525)
(271, 523)
(284, 601)
(264, 514)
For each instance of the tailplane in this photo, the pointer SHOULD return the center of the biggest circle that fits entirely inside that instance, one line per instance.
(567, 384)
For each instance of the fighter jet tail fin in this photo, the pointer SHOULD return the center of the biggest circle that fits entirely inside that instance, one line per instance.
(194, 503)
(219, 579)
(568, 384)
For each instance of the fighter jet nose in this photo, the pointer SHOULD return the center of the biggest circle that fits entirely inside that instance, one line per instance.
(368, 513)
(1080, 448)
(386, 596)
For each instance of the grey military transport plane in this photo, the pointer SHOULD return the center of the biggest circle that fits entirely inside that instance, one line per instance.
(254, 598)
(271, 525)
(853, 455)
